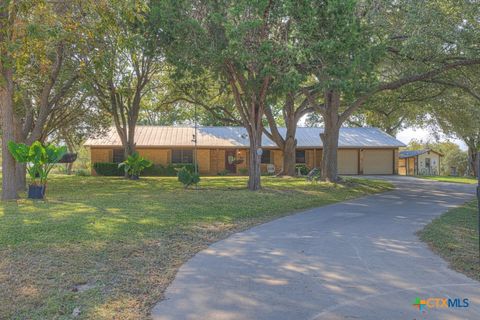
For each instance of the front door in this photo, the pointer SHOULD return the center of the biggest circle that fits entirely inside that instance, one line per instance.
(230, 161)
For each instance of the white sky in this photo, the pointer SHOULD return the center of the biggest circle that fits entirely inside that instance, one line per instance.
(422, 134)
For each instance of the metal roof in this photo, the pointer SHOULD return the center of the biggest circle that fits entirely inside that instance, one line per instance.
(413, 153)
(163, 136)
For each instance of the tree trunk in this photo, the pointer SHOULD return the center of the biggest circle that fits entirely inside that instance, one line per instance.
(254, 173)
(21, 176)
(9, 190)
(289, 156)
(330, 136)
(472, 161)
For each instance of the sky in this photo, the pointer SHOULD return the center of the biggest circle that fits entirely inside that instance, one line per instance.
(423, 134)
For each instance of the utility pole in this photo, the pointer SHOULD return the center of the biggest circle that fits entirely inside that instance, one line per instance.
(195, 163)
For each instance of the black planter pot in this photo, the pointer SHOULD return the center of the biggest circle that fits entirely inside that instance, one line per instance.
(36, 192)
(134, 177)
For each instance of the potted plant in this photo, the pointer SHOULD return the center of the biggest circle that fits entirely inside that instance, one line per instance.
(134, 165)
(39, 160)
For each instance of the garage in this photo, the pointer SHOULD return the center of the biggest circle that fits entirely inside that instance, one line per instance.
(347, 161)
(378, 161)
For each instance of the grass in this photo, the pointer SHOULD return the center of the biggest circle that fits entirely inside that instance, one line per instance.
(454, 236)
(466, 180)
(108, 247)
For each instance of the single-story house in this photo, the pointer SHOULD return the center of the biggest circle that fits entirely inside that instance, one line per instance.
(361, 150)
(419, 162)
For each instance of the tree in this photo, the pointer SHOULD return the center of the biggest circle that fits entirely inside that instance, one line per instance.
(241, 43)
(396, 110)
(8, 38)
(125, 56)
(359, 49)
(51, 73)
(292, 108)
(189, 97)
(460, 122)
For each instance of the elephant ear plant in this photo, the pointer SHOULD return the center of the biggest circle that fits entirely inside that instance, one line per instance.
(134, 165)
(39, 160)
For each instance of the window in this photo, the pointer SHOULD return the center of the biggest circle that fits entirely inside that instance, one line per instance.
(266, 156)
(300, 156)
(118, 155)
(182, 156)
(427, 162)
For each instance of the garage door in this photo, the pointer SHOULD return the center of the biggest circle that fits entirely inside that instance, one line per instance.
(347, 161)
(378, 162)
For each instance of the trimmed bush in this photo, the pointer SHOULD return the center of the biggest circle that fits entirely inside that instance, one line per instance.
(187, 178)
(223, 172)
(188, 166)
(304, 170)
(171, 170)
(154, 171)
(108, 169)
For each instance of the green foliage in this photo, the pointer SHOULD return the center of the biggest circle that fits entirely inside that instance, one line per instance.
(243, 171)
(187, 178)
(223, 172)
(157, 170)
(135, 164)
(107, 169)
(39, 159)
(304, 170)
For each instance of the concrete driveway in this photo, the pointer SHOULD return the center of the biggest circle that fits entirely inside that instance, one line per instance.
(354, 260)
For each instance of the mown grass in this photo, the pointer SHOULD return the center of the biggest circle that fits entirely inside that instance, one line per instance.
(466, 180)
(454, 236)
(108, 247)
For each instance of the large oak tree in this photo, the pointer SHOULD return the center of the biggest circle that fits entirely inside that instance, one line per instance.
(358, 49)
(241, 42)
(124, 57)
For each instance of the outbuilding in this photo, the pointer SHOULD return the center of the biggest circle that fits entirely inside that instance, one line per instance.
(226, 149)
(419, 162)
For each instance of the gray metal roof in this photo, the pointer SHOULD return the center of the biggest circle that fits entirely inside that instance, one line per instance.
(413, 153)
(162, 136)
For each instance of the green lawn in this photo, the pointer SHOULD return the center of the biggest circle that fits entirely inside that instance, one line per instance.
(454, 236)
(466, 180)
(109, 246)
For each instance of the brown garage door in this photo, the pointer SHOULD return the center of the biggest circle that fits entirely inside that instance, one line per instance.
(378, 162)
(347, 161)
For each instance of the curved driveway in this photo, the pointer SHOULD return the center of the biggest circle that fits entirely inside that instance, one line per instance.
(354, 260)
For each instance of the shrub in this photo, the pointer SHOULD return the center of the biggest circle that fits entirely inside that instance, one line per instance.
(187, 178)
(243, 171)
(190, 167)
(154, 171)
(158, 170)
(223, 172)
(108, 169)
(304, 170)
(173, 169)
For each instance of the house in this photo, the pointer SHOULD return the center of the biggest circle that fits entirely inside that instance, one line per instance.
(361, 150)
(419, 162)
